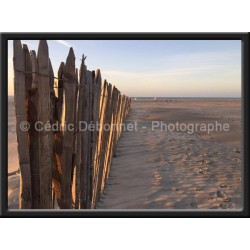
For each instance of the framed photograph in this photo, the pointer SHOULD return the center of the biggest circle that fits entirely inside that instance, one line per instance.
(124, 125)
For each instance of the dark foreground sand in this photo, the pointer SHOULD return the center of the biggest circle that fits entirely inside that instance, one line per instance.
(175, 170)
(167, 170)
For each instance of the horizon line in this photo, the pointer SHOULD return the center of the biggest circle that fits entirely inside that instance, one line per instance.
(218, 97)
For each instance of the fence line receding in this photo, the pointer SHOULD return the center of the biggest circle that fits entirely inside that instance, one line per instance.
(67, 167)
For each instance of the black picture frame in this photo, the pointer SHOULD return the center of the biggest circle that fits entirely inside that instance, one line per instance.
(4, 212)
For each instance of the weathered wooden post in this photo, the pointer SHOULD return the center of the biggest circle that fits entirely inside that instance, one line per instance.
(112, 137)
(28, 70)
(103, 104)
(58, 138)
(69, 85)
(104, 142)
(33, 106)
(84, 168)
(21, 119)
(108, 135)
(45, 135)
(90, 166)
(96, 109)
(122, 114)
(50, 158)
(79, 141)
(53, 120)
(75, 176)
(118, 122)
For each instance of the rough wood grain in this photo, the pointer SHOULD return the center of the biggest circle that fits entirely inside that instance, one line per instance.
(79, 143)
(119, 102)
(45, 140)
(33, 133)
(58, 138)
(84, 168)
(71, 166)
(90, 142)
(109, 137)
(104, 142)
(69, 85)
(96, 108)
(21, 116)
(76, 176)
(28, 70)
(112, 136)
(99, 169)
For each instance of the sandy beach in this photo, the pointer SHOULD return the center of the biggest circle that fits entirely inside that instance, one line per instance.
(166, 170)
(176, 170)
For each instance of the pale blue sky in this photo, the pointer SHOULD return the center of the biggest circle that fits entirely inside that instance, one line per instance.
(177, 68)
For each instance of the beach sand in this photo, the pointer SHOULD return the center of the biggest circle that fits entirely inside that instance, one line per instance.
(176, 170)
(167, 170)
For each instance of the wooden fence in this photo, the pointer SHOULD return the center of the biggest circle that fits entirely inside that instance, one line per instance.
(70, 166)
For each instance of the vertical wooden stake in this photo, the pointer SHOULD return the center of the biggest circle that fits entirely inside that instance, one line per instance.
(96, 108)
(112, 135)
(21, 118)
(104, 141)
(76, 161)
(84, 168)
(33, 133)
(58, 138)
(45, 140)
(69, 84)
(90, 165)
(79, 144)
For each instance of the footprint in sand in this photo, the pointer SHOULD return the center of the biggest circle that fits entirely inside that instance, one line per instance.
(197, 188)
(210, 162)
(237, 179)
(204, 171)
(220, 194)
(233, 187)
(225, 205)
(236, 150)
(193, 205)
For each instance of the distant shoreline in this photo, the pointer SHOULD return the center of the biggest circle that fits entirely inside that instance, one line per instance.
(172, 98)
(186, 98)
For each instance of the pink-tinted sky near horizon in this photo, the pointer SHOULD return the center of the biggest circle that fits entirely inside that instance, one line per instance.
(154, 68)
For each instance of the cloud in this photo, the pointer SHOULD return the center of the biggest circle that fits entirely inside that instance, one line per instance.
(186, 66)
(168, 73)
(64, 43)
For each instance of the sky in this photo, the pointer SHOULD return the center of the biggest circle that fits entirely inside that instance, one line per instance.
(151, 68)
